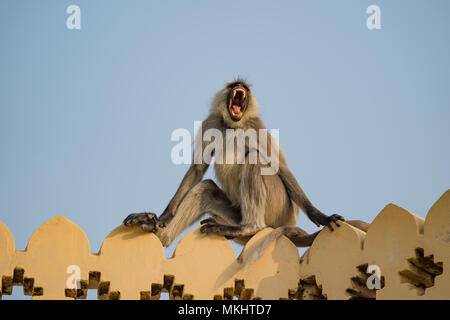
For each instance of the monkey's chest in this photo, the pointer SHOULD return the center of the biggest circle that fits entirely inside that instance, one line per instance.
(229, 178)
(229, 162)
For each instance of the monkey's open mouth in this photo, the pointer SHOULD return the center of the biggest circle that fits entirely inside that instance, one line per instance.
(237, 103)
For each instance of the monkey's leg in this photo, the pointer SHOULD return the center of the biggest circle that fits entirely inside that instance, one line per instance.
(253, 206)
(298, 236)
(149, 221)
(205, 197)
(301, 238)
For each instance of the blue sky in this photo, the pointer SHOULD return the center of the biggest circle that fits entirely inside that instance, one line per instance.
(86, 115)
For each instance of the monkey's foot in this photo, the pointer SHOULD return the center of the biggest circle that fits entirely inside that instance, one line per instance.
(208, 220)
(211, 226)
(147, 220)
(321, 219)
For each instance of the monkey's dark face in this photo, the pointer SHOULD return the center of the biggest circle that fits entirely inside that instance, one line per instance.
(238, 98)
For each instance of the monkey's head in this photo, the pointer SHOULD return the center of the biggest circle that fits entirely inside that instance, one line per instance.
(235, 103)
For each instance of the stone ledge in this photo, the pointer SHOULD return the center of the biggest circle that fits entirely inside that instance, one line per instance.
(412, 254)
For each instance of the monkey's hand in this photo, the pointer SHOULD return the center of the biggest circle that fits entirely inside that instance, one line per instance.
(147, 220)
(321, 219)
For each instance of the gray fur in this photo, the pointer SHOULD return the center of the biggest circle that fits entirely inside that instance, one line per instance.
(247, 201)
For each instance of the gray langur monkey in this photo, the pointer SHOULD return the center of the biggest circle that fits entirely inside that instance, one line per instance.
(247, 201)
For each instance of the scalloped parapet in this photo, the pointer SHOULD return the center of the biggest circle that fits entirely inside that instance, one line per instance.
(402, 256)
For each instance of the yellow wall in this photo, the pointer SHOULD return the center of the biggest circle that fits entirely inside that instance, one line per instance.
(412, 254)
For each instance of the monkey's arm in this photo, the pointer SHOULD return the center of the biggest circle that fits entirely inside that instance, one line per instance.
(296, 194)
(193, 176)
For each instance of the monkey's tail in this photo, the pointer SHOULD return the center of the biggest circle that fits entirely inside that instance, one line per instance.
(298, 236)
